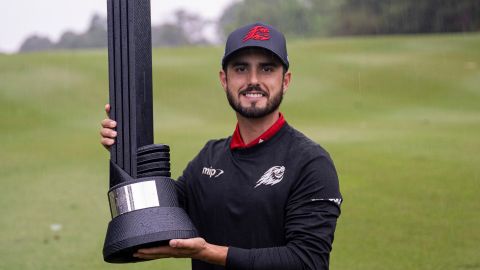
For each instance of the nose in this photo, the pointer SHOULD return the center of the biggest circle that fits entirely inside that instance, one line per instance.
(253, 78)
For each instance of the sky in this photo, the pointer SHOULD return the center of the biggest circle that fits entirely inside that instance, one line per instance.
(22, 18)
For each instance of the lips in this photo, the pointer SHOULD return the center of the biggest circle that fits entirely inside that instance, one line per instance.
(253, 92)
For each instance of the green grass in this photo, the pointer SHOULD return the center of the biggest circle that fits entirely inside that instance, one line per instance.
(400, 116)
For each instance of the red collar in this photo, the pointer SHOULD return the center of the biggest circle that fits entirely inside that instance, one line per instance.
(237, 141)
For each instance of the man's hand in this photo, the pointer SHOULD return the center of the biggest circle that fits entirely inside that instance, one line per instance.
(107, 131)
(195, 248)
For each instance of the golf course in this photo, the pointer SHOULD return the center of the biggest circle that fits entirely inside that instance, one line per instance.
(400, 116)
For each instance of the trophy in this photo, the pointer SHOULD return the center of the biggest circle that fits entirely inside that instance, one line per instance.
(142, 196)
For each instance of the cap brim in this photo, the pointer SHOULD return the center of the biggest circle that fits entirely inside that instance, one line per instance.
(227, 57)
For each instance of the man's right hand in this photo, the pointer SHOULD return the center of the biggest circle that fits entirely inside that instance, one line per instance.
(107, 132)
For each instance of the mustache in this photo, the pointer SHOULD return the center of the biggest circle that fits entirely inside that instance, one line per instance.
(255, 88)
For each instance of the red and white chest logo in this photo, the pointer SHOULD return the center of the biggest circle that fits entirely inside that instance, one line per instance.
(257, 33)
(272, 176)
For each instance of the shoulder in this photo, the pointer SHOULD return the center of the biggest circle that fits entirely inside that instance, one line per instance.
(317, 174)
(305, 147)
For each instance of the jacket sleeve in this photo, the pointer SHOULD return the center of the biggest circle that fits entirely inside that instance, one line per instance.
(180, 184)
(188, 172)
(310, 219)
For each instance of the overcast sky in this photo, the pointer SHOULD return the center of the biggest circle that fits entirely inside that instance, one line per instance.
(21, 18)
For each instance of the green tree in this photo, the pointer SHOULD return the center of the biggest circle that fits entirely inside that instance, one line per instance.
(187, 29)
(407, 16)
(307, 18)
(36, 43)
(293, 17)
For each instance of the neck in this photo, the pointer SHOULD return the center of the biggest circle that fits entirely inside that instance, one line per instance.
(252, 128)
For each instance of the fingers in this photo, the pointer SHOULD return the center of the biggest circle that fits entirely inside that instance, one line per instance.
(156, 250)
(157, 253)
(184, 243)
(149, 257)
(108, 123)
(108, 137)
(184, 248)
(175, 243)
(108, 133)
(191, 243)
(107, 142)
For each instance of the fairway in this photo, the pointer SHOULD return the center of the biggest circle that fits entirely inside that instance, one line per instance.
(400, 116)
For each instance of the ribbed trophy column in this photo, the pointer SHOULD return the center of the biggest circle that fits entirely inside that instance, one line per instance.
(143, 202)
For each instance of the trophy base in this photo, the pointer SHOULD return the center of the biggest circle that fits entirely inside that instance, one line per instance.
(145, 228)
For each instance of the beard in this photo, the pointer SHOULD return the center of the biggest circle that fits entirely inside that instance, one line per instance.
(253, 111)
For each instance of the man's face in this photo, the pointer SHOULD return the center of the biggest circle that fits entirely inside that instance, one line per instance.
(254, 82)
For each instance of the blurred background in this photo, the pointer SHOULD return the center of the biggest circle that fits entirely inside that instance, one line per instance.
(391, 88)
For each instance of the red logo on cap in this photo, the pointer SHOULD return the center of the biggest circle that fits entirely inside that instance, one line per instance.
(257, 33)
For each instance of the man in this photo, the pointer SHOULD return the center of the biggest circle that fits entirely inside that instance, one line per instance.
(266, 197)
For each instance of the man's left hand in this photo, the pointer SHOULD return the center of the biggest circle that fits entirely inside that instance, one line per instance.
(195, 248)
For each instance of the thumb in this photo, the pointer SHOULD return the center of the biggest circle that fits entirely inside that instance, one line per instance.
(184, 243)
(178, 243)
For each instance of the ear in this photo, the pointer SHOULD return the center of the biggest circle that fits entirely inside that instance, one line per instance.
(223, 79)
(286, 81)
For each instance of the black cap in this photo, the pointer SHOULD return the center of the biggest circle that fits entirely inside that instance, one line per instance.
(257, 35)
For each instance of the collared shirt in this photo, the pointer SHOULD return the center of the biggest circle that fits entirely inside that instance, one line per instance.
(237, 141)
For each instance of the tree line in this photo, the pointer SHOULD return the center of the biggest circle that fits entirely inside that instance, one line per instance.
(313, 18)
(296, 18)
(186, 29)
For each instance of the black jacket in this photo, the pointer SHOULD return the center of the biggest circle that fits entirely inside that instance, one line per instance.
(275, 205)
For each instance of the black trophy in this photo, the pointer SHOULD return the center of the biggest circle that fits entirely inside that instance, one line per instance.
(142, 196)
